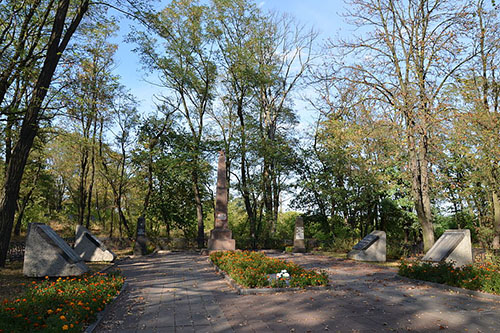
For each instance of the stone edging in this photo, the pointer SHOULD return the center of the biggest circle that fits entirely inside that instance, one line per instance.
(103, 313)
(446, 287)
(254, 291)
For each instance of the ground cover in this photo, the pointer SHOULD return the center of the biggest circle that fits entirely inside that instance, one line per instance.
(62, 304)
(254, 269)
(482, 277)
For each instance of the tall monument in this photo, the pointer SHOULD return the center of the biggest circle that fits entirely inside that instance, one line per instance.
(221, 235)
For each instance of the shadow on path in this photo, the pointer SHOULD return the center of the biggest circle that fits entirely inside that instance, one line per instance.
(180, 292)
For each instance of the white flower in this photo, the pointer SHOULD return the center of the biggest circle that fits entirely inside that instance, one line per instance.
(286, 275)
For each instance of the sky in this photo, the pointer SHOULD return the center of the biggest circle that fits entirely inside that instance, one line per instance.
(323, 15)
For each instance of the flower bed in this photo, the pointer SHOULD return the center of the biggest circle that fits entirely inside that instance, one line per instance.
(60, 305)
(256, 270)
(484, 277)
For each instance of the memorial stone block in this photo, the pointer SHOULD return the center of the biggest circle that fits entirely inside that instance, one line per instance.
(453, 246)
(299, 245)
(141, 241)
(370, 248)
(47, 254)
(89, 248)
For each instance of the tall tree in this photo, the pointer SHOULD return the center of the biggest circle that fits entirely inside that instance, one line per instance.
(185, 60)
(409, 52)
(61, 20)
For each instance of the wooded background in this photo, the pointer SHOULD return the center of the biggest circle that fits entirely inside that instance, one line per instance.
(406, 138)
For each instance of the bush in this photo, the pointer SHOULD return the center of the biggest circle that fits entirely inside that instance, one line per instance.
(60, 305)
(484, 277)
(252, 269)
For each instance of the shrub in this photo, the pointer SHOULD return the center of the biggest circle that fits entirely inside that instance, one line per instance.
(484, 277)
(60, 305)
(252, 269)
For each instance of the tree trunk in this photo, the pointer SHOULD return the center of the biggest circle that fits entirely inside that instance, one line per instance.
(496, 220)
(199, 210)
(15, 169)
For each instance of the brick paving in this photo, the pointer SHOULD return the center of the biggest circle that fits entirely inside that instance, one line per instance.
(180, 292)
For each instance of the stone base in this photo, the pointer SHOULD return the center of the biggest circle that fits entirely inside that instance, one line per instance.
(221, 244)
(299, 246)
(366, 255)
(140, 247)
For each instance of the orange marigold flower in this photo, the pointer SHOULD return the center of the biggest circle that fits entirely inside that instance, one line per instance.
(65, 327)
(62, 317)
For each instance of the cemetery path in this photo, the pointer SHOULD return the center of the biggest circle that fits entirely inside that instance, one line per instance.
(179, 292)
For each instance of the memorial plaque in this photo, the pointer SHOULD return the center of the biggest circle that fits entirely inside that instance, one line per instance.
(371, 248)
(365, 242)
(453, 246)
(47, 254)
(89, 248)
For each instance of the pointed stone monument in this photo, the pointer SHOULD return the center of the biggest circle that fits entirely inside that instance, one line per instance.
(47, 254)
(299, 245)
(141, 241)
(89, 248)
(221, 235)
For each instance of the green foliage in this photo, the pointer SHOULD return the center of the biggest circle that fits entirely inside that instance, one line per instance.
(483, 277)
(252, 269)
(60, 305)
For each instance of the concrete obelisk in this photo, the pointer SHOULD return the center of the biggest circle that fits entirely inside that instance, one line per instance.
(221, 235)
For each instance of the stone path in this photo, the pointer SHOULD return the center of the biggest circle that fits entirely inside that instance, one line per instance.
(179, 292)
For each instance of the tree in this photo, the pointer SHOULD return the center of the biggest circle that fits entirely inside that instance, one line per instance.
(185, 61)
(89, 89)
(62, 21)
(408, 54)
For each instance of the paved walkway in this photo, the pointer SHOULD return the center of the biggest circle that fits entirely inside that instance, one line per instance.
(179, 292)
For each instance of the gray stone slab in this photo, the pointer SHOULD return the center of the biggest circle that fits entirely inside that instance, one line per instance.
(453, 246)
(371, 248)
(90, 248)
(47, 254)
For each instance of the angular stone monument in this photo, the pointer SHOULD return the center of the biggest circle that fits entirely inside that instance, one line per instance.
(299, 245)
(47, 254)
(453, 246)
(221, 236)
(370, 248)
(141, 241)
(89, 248)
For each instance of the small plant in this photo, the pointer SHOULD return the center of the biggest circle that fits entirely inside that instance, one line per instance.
(484, 277)
(60, 305)
(253, 269)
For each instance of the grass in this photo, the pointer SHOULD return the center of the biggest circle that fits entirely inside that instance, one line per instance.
(55, 305)
(253, 269)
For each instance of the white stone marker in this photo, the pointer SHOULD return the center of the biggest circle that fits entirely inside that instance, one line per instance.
(47, 254)
(89, 248)
(370, 248)
(453, 246)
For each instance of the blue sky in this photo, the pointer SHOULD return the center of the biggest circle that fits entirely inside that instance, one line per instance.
(323, 15)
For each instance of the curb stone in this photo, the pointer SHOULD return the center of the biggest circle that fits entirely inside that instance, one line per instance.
(254, 291)
(445, 287)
